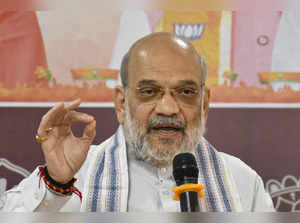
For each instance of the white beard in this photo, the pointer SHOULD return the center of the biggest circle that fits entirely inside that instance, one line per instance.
(137, 140)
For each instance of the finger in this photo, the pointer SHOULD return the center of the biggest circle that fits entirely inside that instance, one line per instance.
(48, 118)
(74, 116)
(89, 132)
(59, 117)
(73, 104)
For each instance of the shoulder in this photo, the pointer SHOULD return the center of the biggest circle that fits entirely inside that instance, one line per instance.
(238, 167)
(243, 174)
(249, 184)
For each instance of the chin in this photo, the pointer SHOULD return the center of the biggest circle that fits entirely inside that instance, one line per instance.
(165, 144)
(159, 154)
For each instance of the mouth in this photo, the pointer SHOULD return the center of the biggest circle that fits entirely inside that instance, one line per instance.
(167, 131)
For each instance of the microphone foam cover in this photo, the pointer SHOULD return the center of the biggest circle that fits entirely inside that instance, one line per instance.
(185, 169)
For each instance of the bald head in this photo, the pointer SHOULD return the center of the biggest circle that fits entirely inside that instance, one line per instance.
(160, 45)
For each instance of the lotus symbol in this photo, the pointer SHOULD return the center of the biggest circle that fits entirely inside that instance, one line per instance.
(189, 31)
(285, 194)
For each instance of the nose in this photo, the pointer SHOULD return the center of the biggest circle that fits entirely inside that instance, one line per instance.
(167, 105)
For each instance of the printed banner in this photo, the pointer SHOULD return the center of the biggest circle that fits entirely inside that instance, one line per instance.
(52, 56)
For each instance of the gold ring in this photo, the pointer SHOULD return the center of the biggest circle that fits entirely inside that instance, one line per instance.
(48, 130)
(40, 139)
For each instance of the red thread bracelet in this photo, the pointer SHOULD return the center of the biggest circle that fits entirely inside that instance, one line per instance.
(63, 189)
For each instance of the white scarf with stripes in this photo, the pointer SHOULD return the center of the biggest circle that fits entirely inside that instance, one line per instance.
(108, 181)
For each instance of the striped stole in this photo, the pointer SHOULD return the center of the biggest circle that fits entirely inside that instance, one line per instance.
(106, 189)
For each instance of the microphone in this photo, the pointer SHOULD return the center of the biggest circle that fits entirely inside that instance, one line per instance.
(185, 171)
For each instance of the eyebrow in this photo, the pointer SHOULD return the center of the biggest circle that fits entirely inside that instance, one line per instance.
(188, 82)
(154, 82)
(146, 81)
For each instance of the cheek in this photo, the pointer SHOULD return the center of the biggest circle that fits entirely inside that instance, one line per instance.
(142, 113)
(192, 117)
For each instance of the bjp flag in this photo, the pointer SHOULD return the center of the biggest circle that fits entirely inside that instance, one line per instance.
(209, 32)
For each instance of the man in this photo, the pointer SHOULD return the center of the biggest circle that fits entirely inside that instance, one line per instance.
(162, 108)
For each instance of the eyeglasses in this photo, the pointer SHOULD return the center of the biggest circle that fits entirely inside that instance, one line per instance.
(189, 95)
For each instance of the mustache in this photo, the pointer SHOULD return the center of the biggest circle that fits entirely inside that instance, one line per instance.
(164, 120)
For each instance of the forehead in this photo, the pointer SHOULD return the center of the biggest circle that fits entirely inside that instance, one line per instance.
(164, 65)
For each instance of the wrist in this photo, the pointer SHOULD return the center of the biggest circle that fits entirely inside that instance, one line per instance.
(62, 185)
(58, 179)
(56, 187)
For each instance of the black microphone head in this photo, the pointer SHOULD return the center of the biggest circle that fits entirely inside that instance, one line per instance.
(185, 169)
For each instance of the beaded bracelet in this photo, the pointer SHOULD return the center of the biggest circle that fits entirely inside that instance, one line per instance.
(56, 187)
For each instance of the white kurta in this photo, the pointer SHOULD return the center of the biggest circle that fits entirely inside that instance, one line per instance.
(149, 188)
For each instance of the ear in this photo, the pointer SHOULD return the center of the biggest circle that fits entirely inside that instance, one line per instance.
(120, 103)
(206, 102)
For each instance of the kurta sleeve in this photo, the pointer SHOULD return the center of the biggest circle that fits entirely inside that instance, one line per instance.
(262, 201)
(31, 195)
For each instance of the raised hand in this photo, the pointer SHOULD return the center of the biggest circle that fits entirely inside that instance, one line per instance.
(64, 153)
